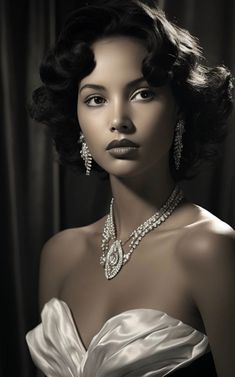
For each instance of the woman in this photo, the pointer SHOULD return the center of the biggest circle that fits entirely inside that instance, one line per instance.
(147, 290)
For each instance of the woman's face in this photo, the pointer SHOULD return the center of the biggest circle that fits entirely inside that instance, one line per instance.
(115, 102)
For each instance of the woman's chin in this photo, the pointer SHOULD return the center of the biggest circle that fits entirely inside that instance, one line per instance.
(126, 169)
(122, 172)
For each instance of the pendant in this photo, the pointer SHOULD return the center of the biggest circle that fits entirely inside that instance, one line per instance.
(114, 260)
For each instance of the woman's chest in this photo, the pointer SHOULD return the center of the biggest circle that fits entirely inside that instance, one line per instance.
(151, 279)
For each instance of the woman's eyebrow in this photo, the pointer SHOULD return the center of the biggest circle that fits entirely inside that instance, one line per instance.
(92, 86)
(135, 82)
(101, 87)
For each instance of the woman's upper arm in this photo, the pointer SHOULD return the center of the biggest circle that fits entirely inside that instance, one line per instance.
(210, 267)
(57, 258)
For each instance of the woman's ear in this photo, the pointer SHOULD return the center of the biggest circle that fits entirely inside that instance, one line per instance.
(179, 112)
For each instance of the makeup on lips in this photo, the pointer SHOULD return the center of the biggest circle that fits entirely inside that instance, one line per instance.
(122, 148)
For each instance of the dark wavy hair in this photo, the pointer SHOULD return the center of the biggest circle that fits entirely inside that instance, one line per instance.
(173, 56)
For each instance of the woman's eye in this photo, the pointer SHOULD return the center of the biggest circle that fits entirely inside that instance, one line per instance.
(145, 94)
(95, 101)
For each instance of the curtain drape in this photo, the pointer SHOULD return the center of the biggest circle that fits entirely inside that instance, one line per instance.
(38, 197)
(30, 177)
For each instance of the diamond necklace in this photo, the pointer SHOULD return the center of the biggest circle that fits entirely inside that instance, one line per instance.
(113, 258)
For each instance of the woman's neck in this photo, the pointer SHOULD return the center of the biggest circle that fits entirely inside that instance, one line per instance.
(137, 198)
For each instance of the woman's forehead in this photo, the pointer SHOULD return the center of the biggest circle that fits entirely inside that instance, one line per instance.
(118, 59)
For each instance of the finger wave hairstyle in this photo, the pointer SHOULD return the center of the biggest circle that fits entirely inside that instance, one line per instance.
(173, 56)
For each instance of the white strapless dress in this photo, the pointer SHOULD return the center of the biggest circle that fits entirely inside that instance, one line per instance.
(135, 343)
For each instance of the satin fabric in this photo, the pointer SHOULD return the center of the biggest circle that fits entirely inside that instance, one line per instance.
(134, 343)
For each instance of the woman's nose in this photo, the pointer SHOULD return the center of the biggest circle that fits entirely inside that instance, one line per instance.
(122, 125)
(121, 121)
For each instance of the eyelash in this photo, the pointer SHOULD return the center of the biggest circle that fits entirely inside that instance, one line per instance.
(93, 97)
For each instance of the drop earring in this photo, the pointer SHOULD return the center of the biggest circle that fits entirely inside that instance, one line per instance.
(178, 144)
(85, 154)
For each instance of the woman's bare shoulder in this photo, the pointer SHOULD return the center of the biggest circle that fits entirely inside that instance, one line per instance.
(60, 254)
(207, 253)
(203, 236)
(70, 242)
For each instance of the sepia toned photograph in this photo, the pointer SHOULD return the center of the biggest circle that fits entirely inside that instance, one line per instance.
(117, 188)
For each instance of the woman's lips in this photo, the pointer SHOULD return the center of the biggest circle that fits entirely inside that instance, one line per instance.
(123, 143)
(123, 151)
(123, 148)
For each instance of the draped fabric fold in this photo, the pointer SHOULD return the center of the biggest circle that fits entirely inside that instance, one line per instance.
(135, 343)
(29, 177)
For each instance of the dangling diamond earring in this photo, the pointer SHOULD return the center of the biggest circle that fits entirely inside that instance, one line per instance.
(178, 144)
(85, 154)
